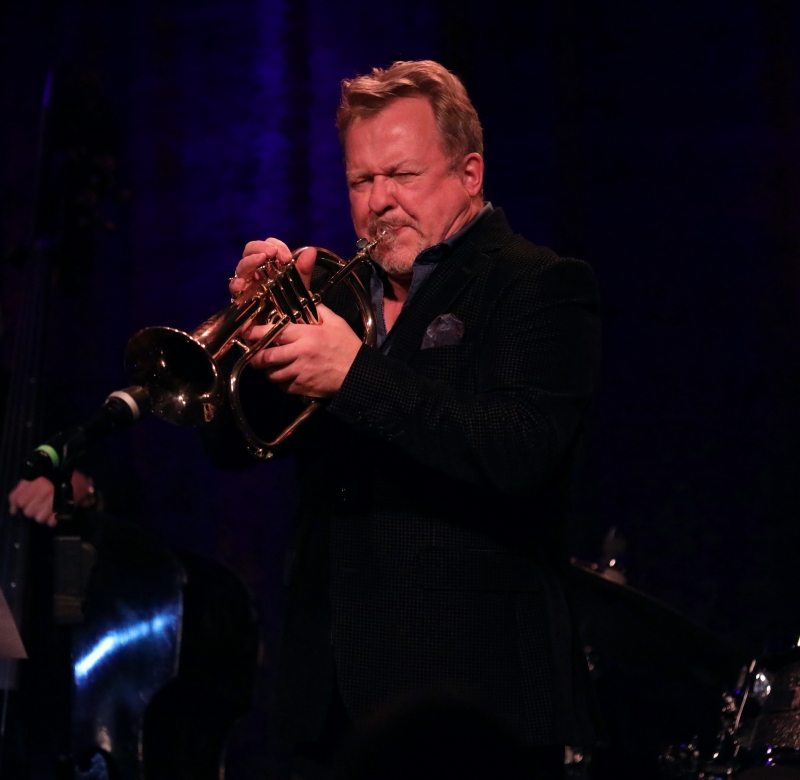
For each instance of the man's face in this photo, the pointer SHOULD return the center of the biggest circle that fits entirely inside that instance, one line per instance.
(400, 178)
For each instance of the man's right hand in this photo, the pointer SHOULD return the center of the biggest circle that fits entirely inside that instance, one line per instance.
(256, 253)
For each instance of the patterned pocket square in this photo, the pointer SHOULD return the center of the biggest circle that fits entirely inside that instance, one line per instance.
(445, 331)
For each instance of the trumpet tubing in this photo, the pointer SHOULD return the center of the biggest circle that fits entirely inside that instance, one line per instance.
(181, 370)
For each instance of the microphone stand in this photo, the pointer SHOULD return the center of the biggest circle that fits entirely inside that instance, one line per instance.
(63, 497)
(73, 561)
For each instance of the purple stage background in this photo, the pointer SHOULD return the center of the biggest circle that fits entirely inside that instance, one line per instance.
(660, 141)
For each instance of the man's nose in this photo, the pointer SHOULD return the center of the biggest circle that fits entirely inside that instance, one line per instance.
(381, 196)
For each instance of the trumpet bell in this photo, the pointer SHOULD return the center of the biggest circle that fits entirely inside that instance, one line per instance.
(180, 374)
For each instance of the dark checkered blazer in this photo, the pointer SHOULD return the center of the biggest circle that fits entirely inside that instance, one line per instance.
(429, 549)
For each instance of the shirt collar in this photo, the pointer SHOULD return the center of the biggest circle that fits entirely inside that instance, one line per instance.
(436, 252)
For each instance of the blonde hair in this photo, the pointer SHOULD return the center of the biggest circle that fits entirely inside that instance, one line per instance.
(459, 128)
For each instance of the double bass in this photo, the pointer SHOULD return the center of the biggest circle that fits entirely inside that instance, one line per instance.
(140, 658)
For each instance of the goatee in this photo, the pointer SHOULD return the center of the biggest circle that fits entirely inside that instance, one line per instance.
(394, 258)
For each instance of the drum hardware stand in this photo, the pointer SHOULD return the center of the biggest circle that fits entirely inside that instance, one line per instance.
(726, 762)
(682, 761)
(725, 759)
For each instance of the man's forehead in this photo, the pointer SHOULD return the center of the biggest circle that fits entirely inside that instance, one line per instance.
(402, 107)
(403, 133)
(397, 119)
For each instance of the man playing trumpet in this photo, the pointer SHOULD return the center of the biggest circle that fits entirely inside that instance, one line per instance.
(429, 550)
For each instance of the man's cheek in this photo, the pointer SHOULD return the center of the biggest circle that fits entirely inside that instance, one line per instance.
(357, 211)
(361, 223)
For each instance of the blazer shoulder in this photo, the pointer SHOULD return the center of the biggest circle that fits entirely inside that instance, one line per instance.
(521, 262)
(516, 255)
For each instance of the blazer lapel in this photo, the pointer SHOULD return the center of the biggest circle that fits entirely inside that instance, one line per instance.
(452, 275)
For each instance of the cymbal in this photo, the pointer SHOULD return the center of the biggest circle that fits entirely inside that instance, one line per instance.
(636, 630)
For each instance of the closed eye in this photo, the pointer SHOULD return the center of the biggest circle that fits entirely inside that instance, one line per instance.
(400, 176)
(355, 184)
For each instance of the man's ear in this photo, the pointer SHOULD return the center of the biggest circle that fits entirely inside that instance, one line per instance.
(471, 173)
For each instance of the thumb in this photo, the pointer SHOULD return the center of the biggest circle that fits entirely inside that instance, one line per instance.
(326, 314)
(305, 264)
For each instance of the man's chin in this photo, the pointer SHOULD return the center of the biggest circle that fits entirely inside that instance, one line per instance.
(396, 263)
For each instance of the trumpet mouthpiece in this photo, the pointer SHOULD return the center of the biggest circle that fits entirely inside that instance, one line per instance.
(365, 245)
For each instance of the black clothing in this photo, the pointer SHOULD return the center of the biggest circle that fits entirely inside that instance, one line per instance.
(430, 543)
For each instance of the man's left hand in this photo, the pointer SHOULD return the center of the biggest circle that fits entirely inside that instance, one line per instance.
(310, 360)
(35, 499)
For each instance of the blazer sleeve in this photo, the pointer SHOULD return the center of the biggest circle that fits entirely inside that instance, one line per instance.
(535, 366)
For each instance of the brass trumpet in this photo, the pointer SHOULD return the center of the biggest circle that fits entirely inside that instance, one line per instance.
(181, 370)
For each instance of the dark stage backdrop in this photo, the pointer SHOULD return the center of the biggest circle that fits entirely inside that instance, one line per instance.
(659, 140)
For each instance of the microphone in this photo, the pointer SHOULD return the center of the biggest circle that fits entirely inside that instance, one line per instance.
(120, 410)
